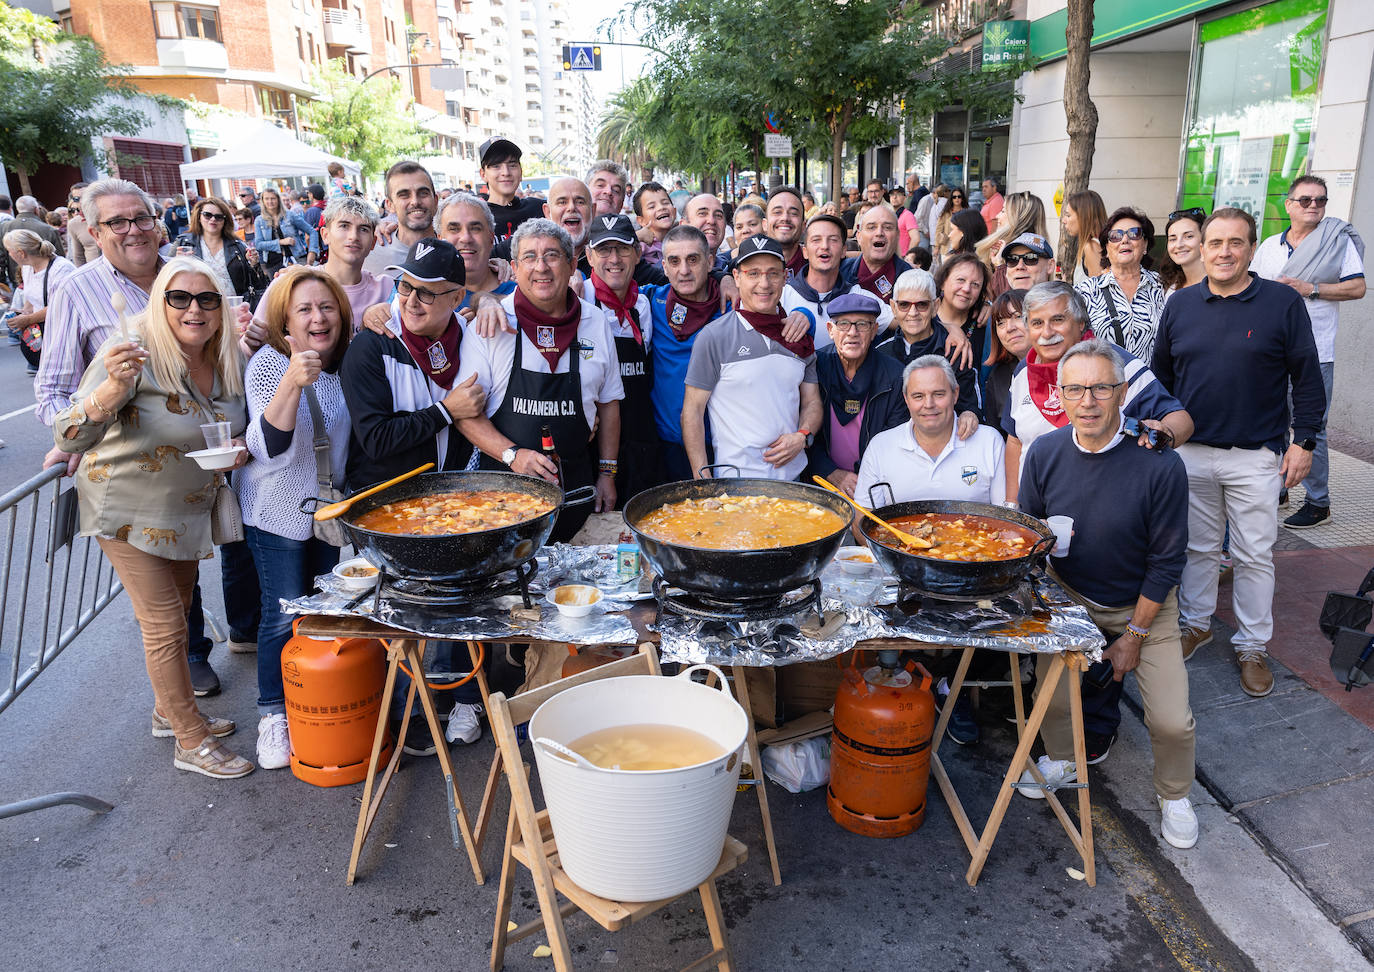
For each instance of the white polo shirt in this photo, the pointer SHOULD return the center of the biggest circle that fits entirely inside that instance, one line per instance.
(969, 469)
(491, 360)
(1270, 258)
(755, 387)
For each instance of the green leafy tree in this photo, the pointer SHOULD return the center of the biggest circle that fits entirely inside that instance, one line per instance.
(53, 107)
(367, 122)
(833, 71)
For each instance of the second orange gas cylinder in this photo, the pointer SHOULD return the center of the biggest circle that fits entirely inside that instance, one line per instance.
(880, 753)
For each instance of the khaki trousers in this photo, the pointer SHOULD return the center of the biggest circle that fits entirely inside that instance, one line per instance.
(1163, 681)
(160, 591)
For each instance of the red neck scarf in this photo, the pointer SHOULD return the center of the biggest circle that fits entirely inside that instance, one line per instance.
(797, 263)
(1043, 378)
(686, 317)
(624, 309)
(878, 282)
(551, 335)
(437, 359)
(770, 326)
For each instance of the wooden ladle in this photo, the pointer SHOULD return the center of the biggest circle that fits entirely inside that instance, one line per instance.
(902, 535)
(341, 507)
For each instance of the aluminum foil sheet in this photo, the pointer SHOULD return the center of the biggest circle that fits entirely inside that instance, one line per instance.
(866, 600)
(491, 619)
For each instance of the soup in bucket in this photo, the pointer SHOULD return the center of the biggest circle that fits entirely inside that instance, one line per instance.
(646, 747)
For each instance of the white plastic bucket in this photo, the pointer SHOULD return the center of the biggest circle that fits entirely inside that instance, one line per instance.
(639, 835)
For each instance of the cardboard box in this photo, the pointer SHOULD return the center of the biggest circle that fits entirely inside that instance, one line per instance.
(808, 687)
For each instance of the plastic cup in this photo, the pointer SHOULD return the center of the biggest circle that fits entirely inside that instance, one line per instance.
(1063, 533)
(216, 435)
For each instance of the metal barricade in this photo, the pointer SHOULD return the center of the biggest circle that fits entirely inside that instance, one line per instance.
(52, 586)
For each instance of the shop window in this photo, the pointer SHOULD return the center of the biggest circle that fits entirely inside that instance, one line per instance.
(1254, 102)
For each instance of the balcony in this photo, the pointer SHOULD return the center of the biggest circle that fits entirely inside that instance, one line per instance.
(192, 52)
(344, 29)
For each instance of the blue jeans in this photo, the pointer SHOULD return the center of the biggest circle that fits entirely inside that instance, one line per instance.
(286, 569)
(1315, 483)
(242, 602)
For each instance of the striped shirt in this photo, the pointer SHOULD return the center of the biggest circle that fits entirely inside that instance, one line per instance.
(1138, 318)
(80, 318)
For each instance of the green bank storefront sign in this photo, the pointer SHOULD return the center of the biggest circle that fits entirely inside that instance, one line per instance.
(1113, 20)
(1005, 42)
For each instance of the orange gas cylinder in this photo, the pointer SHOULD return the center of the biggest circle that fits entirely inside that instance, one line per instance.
(880, 753)
(333, 696)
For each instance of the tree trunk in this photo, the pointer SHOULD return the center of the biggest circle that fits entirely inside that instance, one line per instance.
(839, 127)
(1079, 110)
(758, 170)
(23, 174)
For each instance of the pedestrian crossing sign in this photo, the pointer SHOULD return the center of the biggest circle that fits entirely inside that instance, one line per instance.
(581, 57)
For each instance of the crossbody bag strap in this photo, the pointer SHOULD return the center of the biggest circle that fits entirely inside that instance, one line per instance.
(1116, 318)
(324, 477)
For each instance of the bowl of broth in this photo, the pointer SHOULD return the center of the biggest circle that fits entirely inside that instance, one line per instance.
(574, 600)
(356, 574)
(661, 757)
(854, 560)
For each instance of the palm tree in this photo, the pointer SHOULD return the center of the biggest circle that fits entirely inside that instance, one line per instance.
(627, 131)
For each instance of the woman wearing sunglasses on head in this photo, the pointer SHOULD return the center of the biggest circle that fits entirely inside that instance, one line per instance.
(1126, 301)
(212, 237)
(136, 414)
(1183, 242)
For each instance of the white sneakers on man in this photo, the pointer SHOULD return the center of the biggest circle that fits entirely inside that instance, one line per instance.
(463, 724)
(1056, 772)
(1178, 822)
(274, 742)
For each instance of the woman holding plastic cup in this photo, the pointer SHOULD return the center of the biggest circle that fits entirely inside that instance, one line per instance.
(136, 414)
(293, 387)
(213, 238)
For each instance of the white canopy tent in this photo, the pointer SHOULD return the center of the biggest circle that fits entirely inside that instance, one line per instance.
(271, 152)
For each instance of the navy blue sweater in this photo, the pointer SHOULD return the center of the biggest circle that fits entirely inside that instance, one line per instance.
(1130, 515)
(1229, 361)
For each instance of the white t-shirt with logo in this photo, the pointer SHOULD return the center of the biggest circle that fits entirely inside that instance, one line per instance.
(969, 469)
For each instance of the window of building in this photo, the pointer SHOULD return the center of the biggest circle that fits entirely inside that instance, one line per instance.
(66, 23)
(156, 166)
(173, 21)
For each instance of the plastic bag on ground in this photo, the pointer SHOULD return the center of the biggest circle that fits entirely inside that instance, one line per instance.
(799, 766)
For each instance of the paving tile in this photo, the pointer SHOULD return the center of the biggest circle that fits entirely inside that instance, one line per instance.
(1323, 834)
(1352, 504)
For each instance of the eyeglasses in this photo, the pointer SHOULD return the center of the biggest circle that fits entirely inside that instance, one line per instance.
(770, 275)
(1196, 212)
(906, 306)
(1102, 392)
(181, 299)
(856, 326)
(550, 258)
(405, 288)
(119, 225)
(1117, 235)
(1016, 259)
(245, 195)
(1306, 201)
(213, 217)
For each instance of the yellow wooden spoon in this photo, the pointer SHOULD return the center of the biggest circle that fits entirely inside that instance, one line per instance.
(341, 507)
(901, 535)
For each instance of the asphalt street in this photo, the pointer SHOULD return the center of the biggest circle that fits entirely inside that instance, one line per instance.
(249, 874)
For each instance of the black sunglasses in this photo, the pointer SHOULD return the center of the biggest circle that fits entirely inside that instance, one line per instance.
(1016, 259)
(1306, 201)
(1195, 212)
(217, 217)
(181, 299)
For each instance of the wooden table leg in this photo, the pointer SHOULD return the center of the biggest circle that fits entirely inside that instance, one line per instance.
(458, 818)
(485, 810)
(756, 761)
(367, 812)
(1080, 757)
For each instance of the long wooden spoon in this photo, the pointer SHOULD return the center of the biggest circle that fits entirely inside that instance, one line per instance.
(902, 535)
(341, 507)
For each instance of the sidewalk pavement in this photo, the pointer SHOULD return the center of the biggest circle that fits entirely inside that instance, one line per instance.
(1297, 768)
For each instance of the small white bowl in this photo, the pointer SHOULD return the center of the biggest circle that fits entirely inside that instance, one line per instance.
(854, 560)
(574, 600)
(355, 582)
(216, 460)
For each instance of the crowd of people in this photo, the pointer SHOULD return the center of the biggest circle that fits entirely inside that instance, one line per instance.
(908, 343)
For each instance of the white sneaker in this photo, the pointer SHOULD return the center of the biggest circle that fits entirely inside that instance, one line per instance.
(463, 724)
(1056, 772)
(274, 742)
(1178, 822)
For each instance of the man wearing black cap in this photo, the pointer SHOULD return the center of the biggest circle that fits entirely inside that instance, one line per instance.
(403, 395)
(613, 251)
(760, 387)
(861, 392)
(555, 369)
(500, 162)
(1029, 260)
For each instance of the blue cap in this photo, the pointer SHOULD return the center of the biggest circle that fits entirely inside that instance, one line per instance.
(854, 304)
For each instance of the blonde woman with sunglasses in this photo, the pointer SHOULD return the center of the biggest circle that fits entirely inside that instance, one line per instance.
(136, 414)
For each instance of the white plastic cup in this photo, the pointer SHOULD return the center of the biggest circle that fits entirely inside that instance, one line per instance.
(1063, 534)
(216, 435)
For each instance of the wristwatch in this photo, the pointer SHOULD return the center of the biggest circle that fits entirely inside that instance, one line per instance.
(508, 457)
(810, 439)
(1308, 444)
(1316, 293)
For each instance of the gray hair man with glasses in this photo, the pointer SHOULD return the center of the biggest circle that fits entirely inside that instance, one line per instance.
(1130, 524)
(1322, 258)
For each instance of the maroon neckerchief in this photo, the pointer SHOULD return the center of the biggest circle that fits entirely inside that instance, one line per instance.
(870, 279)
(797, 263)
(438, 359)
(624, 309)
(770, 326)
(695, 314)
(1043, 379)
(550, 335)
